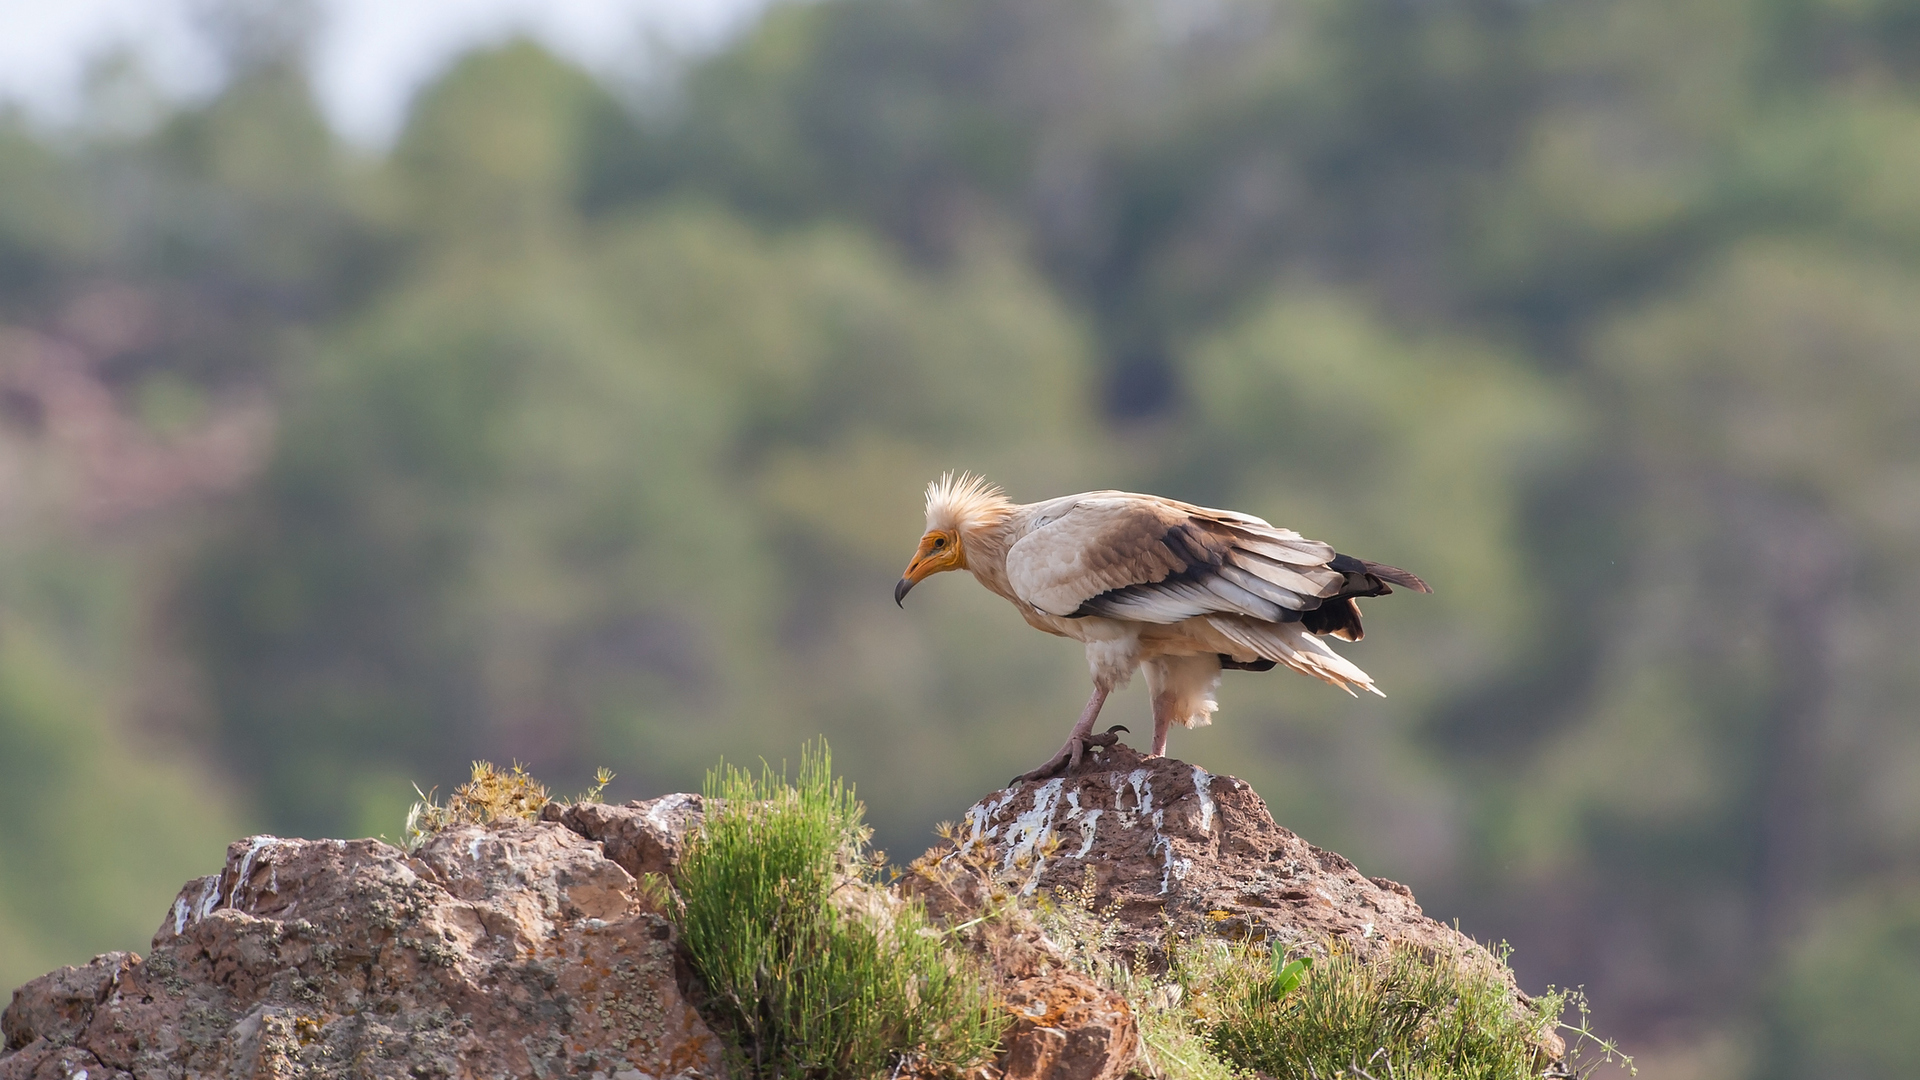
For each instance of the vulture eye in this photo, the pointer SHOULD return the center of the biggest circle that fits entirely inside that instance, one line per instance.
(939, 542)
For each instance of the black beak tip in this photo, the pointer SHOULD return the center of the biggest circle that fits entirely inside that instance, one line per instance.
(900, 592)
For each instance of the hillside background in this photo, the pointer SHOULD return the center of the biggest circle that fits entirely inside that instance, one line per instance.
(585, 424)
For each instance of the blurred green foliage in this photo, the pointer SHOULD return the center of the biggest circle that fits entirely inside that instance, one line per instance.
(583, 430)
(100, 821)
(1855, 980)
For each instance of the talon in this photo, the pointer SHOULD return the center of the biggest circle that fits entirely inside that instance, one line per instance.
(1119, 727)
(1077, 742)
(1046, 771)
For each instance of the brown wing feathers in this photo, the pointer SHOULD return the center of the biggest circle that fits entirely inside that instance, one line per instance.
(1200, 571)
(1203, 565)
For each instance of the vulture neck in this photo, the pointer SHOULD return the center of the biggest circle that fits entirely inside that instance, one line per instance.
(985, 545)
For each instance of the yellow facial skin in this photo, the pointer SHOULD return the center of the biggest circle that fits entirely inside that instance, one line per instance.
(939, 550)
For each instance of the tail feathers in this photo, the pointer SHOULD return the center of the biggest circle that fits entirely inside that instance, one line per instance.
(1339, 616)
(1293, 645)
(1396, 576)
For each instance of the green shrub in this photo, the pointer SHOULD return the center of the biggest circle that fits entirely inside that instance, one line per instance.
(1223, 1010)
(1174, 1044)
(1408, 1013)
(814, 972)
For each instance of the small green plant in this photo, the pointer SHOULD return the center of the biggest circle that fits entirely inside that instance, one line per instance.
(1587, 1051)
(1288, 974)
(814, 973)
(1173, 1046)
(1080, 929)
(601, 778)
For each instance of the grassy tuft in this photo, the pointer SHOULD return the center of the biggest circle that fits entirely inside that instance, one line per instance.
(810, 969)
(490, 795)
(1235, 1011)
(1405, 1014)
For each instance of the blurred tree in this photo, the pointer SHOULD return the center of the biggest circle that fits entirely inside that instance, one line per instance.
(1844, 1006)
(151, 279)
(556, 494)
(103, 826)
(1163, 165)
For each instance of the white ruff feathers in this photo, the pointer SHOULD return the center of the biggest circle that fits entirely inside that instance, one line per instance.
(965, 503)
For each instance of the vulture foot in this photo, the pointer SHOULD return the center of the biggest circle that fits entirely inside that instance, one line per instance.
(1068, 759)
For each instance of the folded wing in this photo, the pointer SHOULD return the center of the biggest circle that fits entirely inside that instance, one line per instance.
(1146, 559)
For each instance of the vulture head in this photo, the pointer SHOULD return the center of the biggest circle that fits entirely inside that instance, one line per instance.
(939, 550)
(957, 507)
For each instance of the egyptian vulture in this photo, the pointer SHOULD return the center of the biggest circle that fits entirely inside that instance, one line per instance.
(1180, 590)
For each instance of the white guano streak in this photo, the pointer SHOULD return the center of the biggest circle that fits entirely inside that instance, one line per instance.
(1142, 783)
(1030, 829)
(209, 899)
(978, 817)
(1202, 783)
(245, 873)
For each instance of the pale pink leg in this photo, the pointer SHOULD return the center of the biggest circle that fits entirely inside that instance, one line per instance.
(1076, 745)
(1162, 721)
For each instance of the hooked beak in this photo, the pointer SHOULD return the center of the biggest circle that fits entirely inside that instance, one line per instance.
(938, 551)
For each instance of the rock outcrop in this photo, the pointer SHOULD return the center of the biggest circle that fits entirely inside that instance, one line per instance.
(508, 950)
(1176, 849)
(535, 949)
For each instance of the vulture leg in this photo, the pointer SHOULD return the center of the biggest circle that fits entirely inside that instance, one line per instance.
(1181, 689)
(1162, 720)
(1076, 745)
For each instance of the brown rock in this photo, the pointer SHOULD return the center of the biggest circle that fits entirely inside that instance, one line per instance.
(1178, 849)
(42, 1060)
(643, 837)
(1175, 852)
(1066, 1027)
(57, 1006)
(529, 949)
(512, 950)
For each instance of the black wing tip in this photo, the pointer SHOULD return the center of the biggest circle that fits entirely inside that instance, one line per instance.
(1396, 576)
(1339, 617)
